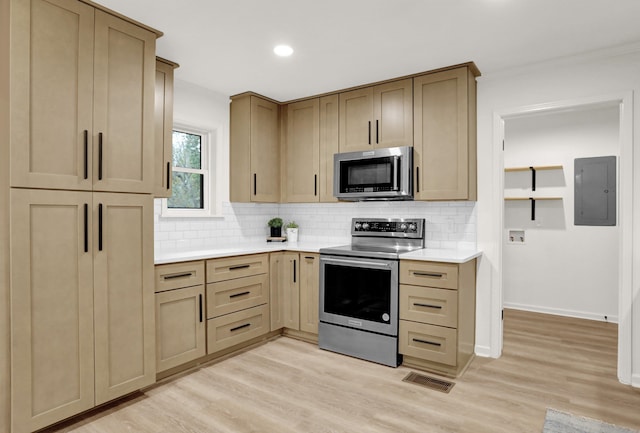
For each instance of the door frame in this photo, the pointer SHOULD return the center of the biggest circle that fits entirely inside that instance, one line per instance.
(625, 207)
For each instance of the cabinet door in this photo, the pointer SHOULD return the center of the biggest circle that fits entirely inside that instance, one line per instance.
(393, 114)
(124, 82)
(123, 292)
(51, 94)
(444, 146)
(309, 294)
(265, 151)
(291, 298)
(163, 128)
(276, 290)
(356, 115)
(328, 145)
(51, 307)
(180, 327)
(303, 151)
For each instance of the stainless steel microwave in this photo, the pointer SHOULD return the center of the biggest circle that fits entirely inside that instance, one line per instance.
(379, 174)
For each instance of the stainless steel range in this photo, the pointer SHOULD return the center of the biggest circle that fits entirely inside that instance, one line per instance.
(359, 288)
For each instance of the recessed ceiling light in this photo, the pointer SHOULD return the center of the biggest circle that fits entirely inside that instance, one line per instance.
(283, 50)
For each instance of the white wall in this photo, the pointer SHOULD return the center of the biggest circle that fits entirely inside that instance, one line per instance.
(614, 74)
(560, 268)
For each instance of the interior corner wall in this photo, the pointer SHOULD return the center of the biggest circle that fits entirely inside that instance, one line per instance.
(596, 75)
(557, 267)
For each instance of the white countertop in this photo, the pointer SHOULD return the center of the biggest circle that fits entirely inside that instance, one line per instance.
(442, 255)
(426, 254)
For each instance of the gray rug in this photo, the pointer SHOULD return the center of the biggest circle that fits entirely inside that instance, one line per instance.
(561, 422)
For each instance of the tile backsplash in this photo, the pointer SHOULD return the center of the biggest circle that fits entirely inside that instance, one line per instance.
(448, 224)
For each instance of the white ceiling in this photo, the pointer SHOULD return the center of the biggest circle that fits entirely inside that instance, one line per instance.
(227, 46)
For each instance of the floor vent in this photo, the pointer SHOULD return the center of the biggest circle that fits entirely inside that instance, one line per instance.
(429, 382)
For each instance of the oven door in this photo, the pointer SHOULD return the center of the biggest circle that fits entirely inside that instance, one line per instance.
(360, 293)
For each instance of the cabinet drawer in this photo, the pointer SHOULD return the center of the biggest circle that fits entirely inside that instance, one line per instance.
(236, 267)
(229, 296)
(444, 275)
(428, 342)
(179, 275)
(236, 328)
(429, 305)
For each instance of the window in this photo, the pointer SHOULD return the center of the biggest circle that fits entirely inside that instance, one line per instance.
(190, 177)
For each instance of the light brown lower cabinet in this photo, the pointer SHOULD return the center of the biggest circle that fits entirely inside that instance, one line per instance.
(437, 315)
(237, 300)
(81, 302)
(294, 280)
(180, 327)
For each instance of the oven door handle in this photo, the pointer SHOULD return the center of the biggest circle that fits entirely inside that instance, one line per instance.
(356, 262)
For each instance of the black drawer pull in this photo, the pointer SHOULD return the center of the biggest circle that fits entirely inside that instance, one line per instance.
(171, 277)
(239, 294)
(428, 274)
(417, 340)
(246, 325)
(309, 257)
(235, 268)
(428, 306)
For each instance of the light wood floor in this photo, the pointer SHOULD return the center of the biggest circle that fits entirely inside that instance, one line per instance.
(290, 386)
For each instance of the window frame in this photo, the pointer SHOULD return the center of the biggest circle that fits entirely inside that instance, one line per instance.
(206, 164)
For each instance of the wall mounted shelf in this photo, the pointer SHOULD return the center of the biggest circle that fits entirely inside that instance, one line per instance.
(533, 202)
(533, 170)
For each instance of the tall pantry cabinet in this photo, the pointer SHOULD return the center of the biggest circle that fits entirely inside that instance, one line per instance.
(77, 177)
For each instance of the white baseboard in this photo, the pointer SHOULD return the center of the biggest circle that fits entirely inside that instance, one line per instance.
(561, 312)
(483, 351)
(635, 380)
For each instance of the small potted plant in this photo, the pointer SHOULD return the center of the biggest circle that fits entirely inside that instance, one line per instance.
(276, 227)
(292, 231)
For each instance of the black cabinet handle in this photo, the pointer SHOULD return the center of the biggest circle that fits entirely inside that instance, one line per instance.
(240, 327)
(100, 156)
(86, 228)
(417, 340)
(168, 175)
(369, 131)
(417, 179)
(438, 307)
(427, 274)
(171, 277)
(255, 183)
(86, 154)
(235, 295)
(377, 135)
(200, 306)
(100, 227)
(315, 184)
(294, 271)
(309, 257)
(235, 268)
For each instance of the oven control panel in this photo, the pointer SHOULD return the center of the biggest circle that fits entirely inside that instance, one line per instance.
(396, 227)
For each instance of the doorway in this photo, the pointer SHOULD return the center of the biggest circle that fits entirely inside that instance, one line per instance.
(555, 214)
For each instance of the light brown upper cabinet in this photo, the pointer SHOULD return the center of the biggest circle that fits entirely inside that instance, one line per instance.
(82, 84)
(328, 145)
(377, 116)
(254, 150)
(303, 151)
(163, 127)
(445, 135)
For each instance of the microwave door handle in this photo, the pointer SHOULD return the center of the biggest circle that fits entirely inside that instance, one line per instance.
(395, 173)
